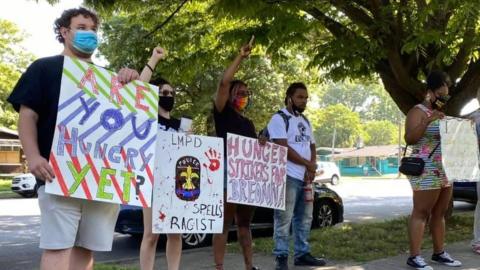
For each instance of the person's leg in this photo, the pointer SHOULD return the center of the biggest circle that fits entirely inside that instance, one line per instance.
(55, 259)
(148, 247)
(282, 220)
(220, 240)
(81, 259)
(243, 217)
(437, 219)
(174, 251)
(59, 221)
(95, 232)
(301, 223)
(476, 226)
(423, 202)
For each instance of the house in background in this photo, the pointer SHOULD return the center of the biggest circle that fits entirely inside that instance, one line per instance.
(368, 160)
(329, 154)
(11, 154)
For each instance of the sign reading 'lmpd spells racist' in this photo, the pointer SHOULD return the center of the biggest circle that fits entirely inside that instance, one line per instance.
(188, 189)
(104, 142)
(256, 173)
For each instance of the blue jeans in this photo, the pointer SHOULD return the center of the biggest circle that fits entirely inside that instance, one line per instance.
(298, 213)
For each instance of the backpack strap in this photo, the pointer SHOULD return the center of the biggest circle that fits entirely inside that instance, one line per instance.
(305, 118)
(286, 119)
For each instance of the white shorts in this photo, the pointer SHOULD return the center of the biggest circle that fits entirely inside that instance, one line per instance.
(69, 222)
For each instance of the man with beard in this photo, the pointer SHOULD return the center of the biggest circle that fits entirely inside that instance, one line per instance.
(290, 128)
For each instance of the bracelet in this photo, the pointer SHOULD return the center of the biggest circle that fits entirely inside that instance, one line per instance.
(149, 67)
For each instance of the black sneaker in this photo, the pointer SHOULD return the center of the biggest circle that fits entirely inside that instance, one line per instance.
(445, 259)
(255, 268)
(281, 262)
(418, 263)
(308, 260)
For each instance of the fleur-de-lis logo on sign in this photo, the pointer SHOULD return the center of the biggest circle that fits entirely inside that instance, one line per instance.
(187, 178)
(189, 175)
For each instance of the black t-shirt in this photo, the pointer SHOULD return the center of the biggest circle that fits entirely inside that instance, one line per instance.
(171, 124)
(39, 89)
(231, 121)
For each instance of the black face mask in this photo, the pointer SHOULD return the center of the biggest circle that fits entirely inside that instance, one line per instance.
(166, 102)
(440, 102)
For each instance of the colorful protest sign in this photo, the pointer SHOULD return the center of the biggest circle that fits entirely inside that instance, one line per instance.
(459, 149)
(188, 189)
(104, 143)
(256, 173)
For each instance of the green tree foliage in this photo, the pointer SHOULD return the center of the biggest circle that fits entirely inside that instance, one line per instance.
(401, 41)
(200, 46)
(347, 126)
(380, 133)
(13, 60)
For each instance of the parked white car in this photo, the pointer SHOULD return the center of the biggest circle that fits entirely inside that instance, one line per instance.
(25, 185)
(331, 173)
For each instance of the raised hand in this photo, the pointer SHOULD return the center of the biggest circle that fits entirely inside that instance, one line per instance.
(159, 53)
(245, 50)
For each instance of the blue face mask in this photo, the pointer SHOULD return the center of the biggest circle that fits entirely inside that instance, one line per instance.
(85, 41)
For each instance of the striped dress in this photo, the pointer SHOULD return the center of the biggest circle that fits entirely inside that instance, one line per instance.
(433, 176)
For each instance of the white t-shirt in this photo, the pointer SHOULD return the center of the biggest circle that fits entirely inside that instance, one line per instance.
(299, 138)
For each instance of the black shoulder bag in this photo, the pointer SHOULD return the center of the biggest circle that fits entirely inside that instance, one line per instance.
(413, 165)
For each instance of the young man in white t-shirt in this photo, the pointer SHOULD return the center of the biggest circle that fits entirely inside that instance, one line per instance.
(291, 128)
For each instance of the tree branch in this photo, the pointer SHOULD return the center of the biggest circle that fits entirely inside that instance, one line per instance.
(401, 96)
(337, 29)
(357, 15)
(463, 55)
(158, 27)
(465, 90)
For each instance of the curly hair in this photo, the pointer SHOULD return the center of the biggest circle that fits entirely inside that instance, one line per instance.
(292, 89)
(67, 15)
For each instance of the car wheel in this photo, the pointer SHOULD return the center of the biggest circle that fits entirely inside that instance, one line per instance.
(335, 180)
(324, 214)
(194, 240)
(30, 194)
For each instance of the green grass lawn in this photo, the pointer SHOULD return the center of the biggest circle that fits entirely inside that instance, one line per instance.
(113, 267)
(369, 241)
(5, 191)
(5, 184)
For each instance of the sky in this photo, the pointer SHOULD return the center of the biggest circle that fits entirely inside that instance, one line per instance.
(36, 20)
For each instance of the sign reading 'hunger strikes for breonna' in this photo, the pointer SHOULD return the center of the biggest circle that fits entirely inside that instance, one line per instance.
(104, 143)
(256, 173)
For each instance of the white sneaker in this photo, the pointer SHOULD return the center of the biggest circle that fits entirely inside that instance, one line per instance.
(418, 263)
(445, 259)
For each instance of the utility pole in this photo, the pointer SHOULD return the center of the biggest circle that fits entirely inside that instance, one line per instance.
(399, 139)
(333, 140)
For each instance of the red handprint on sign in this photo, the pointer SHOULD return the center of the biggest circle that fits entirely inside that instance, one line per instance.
(214, 158)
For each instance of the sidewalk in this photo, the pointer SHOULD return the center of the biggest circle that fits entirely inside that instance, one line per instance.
(203, 259)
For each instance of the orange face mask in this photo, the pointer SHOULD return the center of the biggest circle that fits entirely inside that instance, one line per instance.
(240, 103)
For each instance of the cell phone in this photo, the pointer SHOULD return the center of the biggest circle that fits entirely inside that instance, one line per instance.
(185, 124)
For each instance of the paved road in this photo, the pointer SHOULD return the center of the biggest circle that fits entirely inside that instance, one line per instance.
(364, 200)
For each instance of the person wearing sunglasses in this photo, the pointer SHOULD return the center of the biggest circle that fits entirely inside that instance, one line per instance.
(166, 100)
(231, 100)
